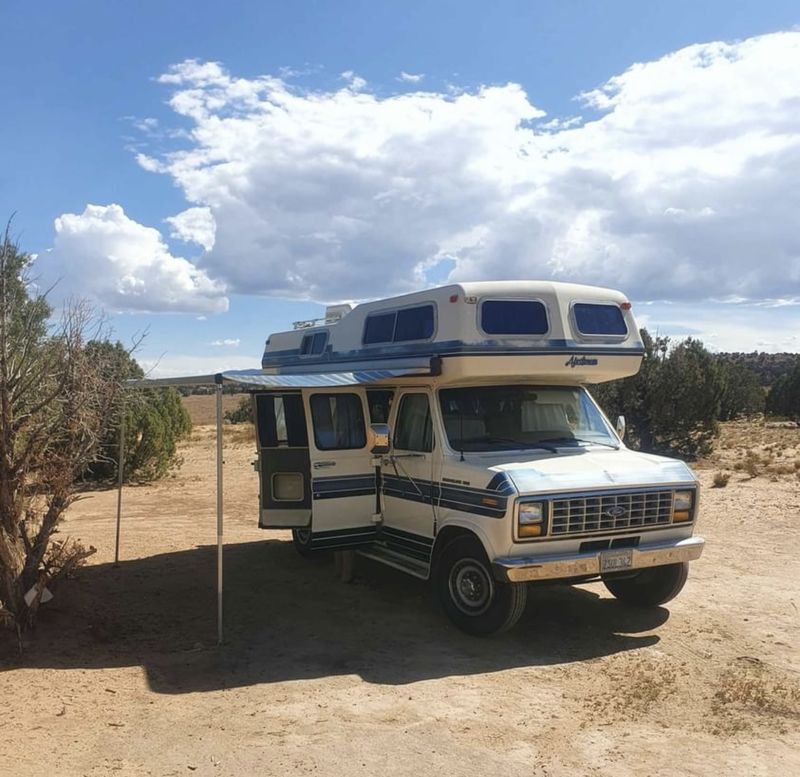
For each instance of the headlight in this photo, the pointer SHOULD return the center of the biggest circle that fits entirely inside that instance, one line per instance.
(682, 505)
(530, 519)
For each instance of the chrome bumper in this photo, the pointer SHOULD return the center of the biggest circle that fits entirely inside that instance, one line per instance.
(519, 569)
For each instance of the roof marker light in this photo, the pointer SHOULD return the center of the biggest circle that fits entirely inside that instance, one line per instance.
(625, 305)
(454, 298)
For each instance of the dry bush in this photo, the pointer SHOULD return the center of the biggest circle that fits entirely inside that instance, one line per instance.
(752, 463)
(748, 693)
(721, 479)
(240, 434)
(54, 402)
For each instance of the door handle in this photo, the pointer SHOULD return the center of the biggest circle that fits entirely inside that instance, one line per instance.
(323, 464)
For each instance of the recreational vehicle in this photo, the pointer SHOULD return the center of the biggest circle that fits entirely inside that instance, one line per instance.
(451, 433)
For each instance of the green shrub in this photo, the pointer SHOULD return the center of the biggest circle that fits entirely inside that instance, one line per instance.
(155, 421)
(242, 413)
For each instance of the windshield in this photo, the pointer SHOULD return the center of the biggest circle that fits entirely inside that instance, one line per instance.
(496, 418)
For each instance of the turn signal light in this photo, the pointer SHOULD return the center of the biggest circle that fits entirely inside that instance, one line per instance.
(681, 515)
(530, 530)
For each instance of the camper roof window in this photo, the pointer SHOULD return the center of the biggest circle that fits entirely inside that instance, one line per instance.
(379, 328)
(414, 324)
(598, 319)
(399, 326)
(513, 317)
(313, 344)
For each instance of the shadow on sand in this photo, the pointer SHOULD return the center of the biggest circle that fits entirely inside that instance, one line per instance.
(287, 618)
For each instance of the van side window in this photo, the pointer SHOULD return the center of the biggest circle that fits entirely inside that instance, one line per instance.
(414, 430)
(599, 319)
(513, 317)
(379, 402)
(400, 326)
(281, 421)
(379, 328)
(338, 421)
(313, 344)
(414, 324)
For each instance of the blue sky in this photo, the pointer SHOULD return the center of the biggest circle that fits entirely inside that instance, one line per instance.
(82, 79)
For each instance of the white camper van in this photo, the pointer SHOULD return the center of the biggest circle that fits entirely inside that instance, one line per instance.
(450, 434)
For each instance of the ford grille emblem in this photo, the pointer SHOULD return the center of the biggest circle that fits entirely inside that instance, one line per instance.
(615, 512)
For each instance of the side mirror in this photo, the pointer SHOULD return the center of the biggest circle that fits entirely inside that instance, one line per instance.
(621, 426)
(379, 438)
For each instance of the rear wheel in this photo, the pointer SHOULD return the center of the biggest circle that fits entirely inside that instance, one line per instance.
(476, 602)
(650, 587)
(301, 539)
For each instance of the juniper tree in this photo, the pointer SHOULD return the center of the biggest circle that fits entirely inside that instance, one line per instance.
(54, 401)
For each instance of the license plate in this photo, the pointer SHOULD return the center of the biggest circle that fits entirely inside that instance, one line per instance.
(616, 560)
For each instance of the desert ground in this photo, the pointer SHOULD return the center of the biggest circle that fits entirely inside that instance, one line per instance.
(321, 677)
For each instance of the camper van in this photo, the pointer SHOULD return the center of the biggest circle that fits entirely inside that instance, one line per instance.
(451, 434)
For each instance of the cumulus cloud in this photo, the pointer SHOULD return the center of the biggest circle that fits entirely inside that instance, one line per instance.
(126, 266)
(194, 225)
(412, 78)
(679, 183)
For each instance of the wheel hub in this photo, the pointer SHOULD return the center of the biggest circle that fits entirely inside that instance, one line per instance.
(471, 588)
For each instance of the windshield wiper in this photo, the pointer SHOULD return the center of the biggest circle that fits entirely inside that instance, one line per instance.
(580, 439)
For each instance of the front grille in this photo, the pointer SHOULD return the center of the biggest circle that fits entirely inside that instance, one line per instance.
(610, 512)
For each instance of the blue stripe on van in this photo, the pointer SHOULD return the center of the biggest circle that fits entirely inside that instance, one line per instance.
(497, 347)
(342, 486)
(491, 501)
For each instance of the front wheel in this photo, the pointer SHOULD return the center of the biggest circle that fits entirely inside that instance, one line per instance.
(650, 587)
(301, 539)
(476, 602)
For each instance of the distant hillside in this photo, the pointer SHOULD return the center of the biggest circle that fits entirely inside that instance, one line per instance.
(767, 366)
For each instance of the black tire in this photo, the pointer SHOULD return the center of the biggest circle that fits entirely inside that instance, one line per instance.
(476, 602)
(301, 539)
(650, 587)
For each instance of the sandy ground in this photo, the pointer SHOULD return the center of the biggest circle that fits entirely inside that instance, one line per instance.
(369, 678)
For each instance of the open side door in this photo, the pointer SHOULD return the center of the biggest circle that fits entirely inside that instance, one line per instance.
(343, 479)
(284, 466)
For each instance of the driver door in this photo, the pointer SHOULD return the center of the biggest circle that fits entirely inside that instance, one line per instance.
(408, 475)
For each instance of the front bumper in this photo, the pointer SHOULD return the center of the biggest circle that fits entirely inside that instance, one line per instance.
(519, 569)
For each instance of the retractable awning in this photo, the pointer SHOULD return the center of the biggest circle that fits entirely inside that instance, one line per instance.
(252, 380)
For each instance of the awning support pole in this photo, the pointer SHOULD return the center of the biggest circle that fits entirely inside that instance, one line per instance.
(219, 512)
(120, 475)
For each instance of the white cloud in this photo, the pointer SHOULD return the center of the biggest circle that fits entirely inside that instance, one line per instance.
(194, 225)
(228, 342)
(412, 78)
(682, 185)
(126, 266)
(356, 82)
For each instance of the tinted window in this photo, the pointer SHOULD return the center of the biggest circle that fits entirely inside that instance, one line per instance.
(414, 324)
(379, 402)
(513, 317)
(599, 319)
(318, 342)
(379, 328)
(313, 344)
(281, 421)
(338, 421)
(414, 431)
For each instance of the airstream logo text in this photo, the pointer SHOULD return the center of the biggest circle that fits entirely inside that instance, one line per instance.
(580, 361)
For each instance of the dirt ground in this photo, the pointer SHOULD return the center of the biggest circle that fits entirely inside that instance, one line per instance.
(369, 678)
